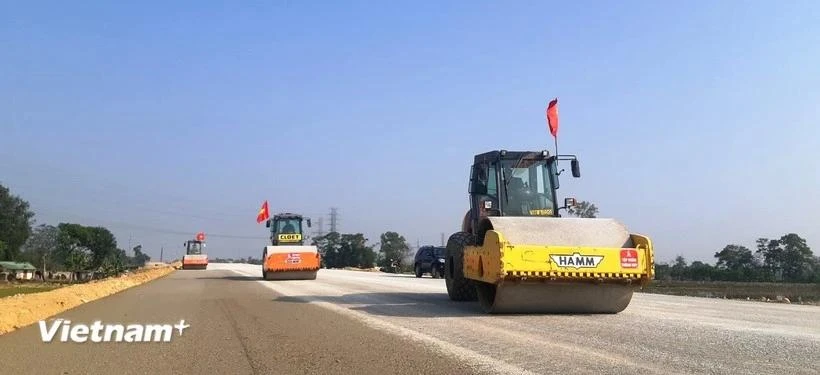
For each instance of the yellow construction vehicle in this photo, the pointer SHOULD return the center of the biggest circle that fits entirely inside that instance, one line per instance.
(288, 258)
(516, 254)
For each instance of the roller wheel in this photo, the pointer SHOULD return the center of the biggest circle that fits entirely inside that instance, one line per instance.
(459, 288)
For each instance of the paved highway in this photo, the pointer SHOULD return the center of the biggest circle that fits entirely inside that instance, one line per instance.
(394, 324)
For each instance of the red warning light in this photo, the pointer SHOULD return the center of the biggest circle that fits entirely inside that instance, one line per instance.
(200, 236)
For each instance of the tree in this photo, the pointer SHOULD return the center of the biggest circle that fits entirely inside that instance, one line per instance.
(699, 271)
(16, 221)
(584, 209)
(83, 248)
(679, 268)
(736, 263)
(353, 251)
(40, 247)
(734, 257)
(393, 247)
(797, 258)
(140, 258)
(771, 254)
(329, 246)
(788, 259)
(663, 271)
(114, 263)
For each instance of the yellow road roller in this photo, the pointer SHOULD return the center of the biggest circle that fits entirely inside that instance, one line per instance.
(515, 253)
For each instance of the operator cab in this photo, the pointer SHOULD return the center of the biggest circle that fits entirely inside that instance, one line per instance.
(287, 228)
(516, 183)
(194, 247)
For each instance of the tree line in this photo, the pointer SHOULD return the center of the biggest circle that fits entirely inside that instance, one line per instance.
(785, 259)
(66, 247)
(341, 250)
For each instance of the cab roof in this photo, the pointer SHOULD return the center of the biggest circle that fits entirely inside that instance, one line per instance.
(494, 155)
(286, 215)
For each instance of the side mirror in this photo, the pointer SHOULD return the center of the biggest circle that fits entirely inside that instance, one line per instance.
(576, 169)
(267, 224)
(308, 221)
(569, 202)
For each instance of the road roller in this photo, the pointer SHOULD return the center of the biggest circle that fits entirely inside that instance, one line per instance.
(515, 253)
(287, 257)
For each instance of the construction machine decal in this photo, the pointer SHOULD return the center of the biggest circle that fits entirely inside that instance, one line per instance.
(577, 260)
(542, 212)
(293, 258)
(290, 237)
(629, 258)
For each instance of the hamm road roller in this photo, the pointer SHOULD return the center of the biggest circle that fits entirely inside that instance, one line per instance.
(516, 254)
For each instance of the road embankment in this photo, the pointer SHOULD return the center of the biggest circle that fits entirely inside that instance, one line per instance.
(22, 310)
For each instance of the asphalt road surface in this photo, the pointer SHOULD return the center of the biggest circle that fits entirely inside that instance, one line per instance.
(360, 322)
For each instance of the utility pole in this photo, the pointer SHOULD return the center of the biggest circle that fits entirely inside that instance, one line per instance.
(161, 249)
(334, 219)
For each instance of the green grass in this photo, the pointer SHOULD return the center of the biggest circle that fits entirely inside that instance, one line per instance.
(10, 290)
(797, 293)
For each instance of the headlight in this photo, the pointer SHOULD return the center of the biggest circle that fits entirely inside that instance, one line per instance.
(441, 260)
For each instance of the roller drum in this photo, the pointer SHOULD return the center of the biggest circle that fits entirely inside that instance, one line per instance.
(290, 275)
(553, 298)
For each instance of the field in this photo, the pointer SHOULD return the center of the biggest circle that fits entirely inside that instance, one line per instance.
(795, 293)
(7, 290)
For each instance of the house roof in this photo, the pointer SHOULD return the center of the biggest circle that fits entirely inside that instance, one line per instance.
(17, 266)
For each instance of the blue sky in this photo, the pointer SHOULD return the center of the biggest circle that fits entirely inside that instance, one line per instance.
(694, 122)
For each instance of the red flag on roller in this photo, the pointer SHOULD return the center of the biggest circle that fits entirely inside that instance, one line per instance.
(552, 117)
(263, 213)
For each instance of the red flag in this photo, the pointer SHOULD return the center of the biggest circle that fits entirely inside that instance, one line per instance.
(552, 117)
(263, 214)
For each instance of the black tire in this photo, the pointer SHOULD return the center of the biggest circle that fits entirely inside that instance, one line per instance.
(434, 272)
(459, 288)
(417, 270)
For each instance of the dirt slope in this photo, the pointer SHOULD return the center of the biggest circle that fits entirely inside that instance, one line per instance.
(22, 310)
